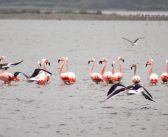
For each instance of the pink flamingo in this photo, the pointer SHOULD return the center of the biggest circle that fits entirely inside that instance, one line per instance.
(67, 77)
(135, 79)
(107, 76)
(118, 75)
(95, 76)
(8, 77)
(152, 76)
(40, 75)
(164, 75)
(43, 65)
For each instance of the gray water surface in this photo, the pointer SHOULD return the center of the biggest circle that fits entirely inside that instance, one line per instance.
(29, 110)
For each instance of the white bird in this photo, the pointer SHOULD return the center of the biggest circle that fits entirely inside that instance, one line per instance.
(134, 43)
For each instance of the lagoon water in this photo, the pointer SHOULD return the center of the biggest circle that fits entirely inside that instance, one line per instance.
(27, 109)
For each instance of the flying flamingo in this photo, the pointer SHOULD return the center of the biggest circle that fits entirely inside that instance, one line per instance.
(118, 75)
(164, 75)
(152, 76)
(95, 76)
(107, 76)
(135, 79)
(43, 65)
(67, 77)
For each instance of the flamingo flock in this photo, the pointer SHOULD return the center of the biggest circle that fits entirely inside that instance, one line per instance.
(41, 74)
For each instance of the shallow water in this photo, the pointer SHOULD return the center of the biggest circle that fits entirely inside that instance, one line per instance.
(27, 109)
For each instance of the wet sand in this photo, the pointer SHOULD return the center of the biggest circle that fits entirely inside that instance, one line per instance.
(27, 109)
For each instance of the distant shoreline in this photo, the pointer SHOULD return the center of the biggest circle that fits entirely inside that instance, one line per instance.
(77, 15)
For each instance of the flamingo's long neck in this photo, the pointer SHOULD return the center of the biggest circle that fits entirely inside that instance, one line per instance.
(104, 67)
(44, 67)
(92, 67)
(67, 66)
(150, 70)
(167, 67)
(134, 71)
(61, 67)
(120, 68)
(113, 70)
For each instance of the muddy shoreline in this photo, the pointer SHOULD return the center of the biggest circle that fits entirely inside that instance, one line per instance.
(82, 15)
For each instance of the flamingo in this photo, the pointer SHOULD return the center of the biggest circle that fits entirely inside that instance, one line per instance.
(133, 43)
(95, 76)
(135, 79)
(5, 76)
(152, 76)
(118, 75)
(130, 90)
(36, 76)
(67, 77)
(107, 76)
(164, 75)
(43, 65)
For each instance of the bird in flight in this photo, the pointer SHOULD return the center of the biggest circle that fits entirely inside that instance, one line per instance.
(130, 90)
(133, 43)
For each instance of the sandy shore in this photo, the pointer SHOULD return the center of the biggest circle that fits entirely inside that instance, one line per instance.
(80, 16)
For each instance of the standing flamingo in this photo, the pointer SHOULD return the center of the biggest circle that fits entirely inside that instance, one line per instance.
(43, 65)
(152, 76)
(135, 79)
(5, 76)
(36, 76)
(118, 75)
(95, 76)
(107, 76)
(67, 77)
(164, 75)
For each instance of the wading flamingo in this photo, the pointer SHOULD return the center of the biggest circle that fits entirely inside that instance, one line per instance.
(43, 65)
(107, 76)
(118, 75)
(67, 77)
(35, 76)
(164, 75)
(6, 76)
(152, 76)
(135, 79)
(133, 43)
(95, 76)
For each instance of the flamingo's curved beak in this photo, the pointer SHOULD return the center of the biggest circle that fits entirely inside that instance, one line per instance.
(147, 64)
(48, 63)
(100, 62)
(59, 60)
(89, 62)
(131, 68)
